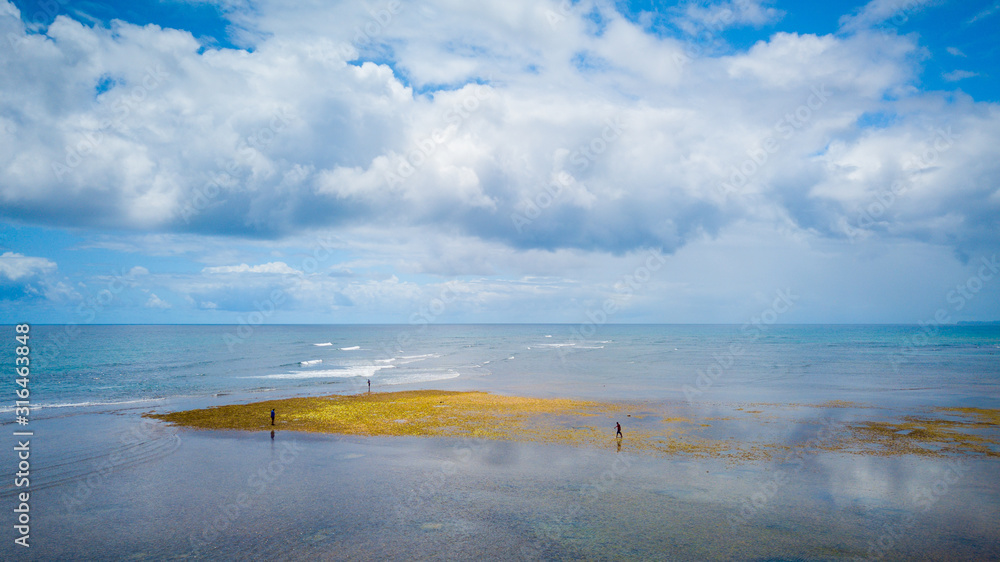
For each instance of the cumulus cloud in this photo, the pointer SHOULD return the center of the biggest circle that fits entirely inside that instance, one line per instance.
(26, 277)
(489, 121)
(17, 267)
(156, 302)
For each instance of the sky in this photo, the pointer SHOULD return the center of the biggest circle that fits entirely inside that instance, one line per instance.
(499, 161)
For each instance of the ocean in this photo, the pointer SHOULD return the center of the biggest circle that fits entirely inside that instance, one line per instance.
(109, 484)
(104, 368)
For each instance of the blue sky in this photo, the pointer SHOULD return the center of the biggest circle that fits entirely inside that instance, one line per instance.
(395, 161)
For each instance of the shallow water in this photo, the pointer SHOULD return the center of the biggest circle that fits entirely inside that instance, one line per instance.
(107, 483)
(236, 495)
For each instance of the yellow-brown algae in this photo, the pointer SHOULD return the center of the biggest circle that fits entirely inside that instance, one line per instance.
(932, 435)
(582, 423)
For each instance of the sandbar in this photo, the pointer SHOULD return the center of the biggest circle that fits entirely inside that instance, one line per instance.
(649, 428)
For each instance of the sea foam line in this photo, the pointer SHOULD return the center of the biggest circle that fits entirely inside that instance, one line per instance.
(38, 406)
(345, 373)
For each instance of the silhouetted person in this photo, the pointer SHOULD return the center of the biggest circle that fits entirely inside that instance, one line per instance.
(369, 386)
(618, 429)
(272, 416)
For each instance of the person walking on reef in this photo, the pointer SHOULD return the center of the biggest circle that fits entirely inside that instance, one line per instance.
(272, 416)
(618, 429)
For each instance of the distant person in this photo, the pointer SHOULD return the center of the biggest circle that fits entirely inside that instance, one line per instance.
(272, 416)
(618, 429)
(369, 386)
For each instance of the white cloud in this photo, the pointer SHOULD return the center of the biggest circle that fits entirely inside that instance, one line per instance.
(17, 267)
(483, 151)
(156, 302)
(27, 277)
(875, 12)
(714, 18)
(277, 267)
(957, 75)
(986, 13)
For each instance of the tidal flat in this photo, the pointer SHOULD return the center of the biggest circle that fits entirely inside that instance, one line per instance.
(654, 429)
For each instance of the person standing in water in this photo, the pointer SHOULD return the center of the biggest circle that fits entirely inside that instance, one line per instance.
(272, 416)
(618, 429)
(369, 386)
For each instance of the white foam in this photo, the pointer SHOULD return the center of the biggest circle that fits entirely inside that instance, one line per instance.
(37, 406)
(323, 344)
(310, 362)
(571, 344)
(427, 376)
(405, 359)
(346, 372)
(352, 348)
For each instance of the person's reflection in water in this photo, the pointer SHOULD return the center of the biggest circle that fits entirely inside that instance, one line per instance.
(272, 438)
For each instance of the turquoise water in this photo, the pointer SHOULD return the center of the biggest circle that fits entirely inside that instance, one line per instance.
(108, 484)
(105, 367)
